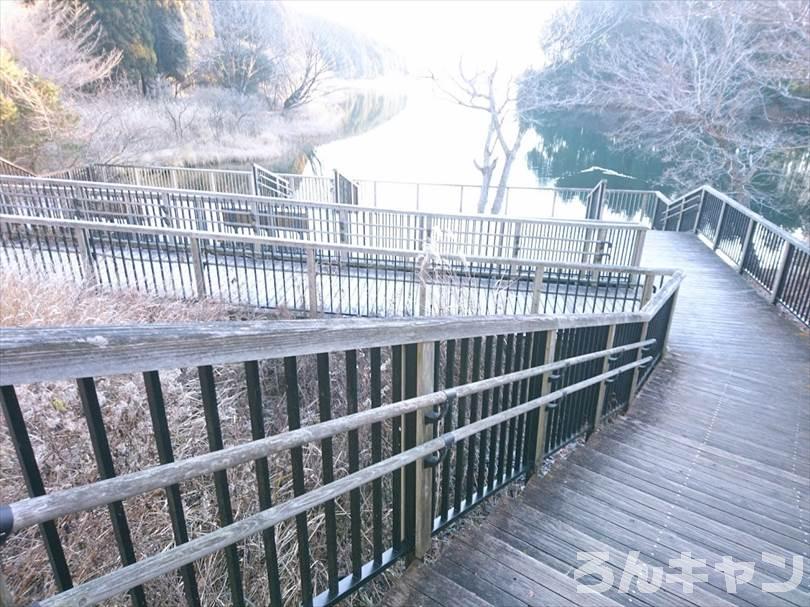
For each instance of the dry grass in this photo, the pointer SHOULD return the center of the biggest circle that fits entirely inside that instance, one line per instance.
(58, 432)
(59, 435)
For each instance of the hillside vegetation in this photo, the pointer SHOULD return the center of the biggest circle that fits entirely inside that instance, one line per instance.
(96, 81)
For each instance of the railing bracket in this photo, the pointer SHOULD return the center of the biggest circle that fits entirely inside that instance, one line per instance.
(435, 459)
(6, 523)
(439, 411)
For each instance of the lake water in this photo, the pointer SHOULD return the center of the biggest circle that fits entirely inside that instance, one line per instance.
(411, 132)
(408, 131)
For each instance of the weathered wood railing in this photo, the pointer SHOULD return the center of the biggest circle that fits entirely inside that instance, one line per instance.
(776, 260)
(9, 168)
(447, 197)
(223, 181)
(315, 278)
(453, 408)
(466, 235)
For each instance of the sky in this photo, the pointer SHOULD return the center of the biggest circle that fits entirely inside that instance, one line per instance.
(438, 33)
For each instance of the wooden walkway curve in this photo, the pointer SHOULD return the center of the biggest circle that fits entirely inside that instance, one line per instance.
(714, 459)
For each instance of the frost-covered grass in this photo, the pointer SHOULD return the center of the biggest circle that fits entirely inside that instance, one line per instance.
(206, 126)
(58, 432)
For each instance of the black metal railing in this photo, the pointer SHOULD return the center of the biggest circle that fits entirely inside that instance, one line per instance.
(314, 278)
(774, 259)
(442, 234)
(9, 168)
(316, 467)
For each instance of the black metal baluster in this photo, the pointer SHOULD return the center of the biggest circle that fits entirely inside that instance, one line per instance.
(376, 455)
(472, 451)
(214, 431)
(522, 397)
(447, 426)
(33, 482)
(328, 470)
(299, 487)
(409, 441)
(460, 421)
(163, 441)
(483, 456)
(515, 357)
(495, 445)
(354, 463)
(254, 392)
(106, 469)
(396, 448)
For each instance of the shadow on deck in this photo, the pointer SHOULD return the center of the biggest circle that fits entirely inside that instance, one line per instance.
(714, 459)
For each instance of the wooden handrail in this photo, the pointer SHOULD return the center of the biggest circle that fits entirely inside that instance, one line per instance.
(323, 205)
(32, 354)
(745, 211)
(33, 511)
(121, 580)
(314, 245)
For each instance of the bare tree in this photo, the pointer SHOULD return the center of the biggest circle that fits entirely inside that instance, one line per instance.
(487, 92)
(48, 56)
(721, 91)
(302, 79)
(57, 41)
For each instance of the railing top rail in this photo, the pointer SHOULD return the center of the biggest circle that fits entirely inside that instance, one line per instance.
(35, 510)
(3, 161)
(316, 245)
(328, 205)
(162, 168)
(458, 185)
(55, 353)
(359, 180)
(633, 191)
(120, 580)
(745, 211)
(757, 217)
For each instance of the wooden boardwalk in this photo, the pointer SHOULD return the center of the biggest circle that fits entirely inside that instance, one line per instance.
(714, 459)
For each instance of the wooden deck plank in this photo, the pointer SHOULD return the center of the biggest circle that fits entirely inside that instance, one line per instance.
(737, 505)
(625, 532)
(714, 458)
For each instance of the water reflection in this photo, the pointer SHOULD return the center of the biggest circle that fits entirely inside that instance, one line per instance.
(569, 154)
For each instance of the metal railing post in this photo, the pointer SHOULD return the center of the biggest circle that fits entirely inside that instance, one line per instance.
(700, 210)
(600, 246)
(85, 259)
(779, 279)
(637, 371)
(665, 341)
(638, 246)
(746, 244)
(537, 289)
(649, 281)
(542, 413)
(254, 182)
(602, 196)
(716, 239)
(199, 273)
(680, 215)
(516, 247)
(312, 283)
(655, 214)
(424, 486)
(600, 399)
